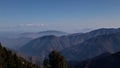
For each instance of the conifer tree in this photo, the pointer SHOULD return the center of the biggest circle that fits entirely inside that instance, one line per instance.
(56, 60)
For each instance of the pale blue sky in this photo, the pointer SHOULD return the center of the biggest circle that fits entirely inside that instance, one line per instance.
(64, 15)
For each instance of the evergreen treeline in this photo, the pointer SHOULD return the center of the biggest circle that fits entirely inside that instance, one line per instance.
(56, 60)
(11, 60)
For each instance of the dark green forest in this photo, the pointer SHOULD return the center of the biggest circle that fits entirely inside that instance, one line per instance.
(8, 59)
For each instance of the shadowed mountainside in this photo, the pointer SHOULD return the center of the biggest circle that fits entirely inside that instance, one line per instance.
(102, 61)
(74, 46)
(93, 47)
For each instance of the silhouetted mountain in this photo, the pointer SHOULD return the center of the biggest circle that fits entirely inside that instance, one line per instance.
(78, 38)
(106, 61)
(43, 33)
(44, 45)
(14, 43)
(93, 47)
(15, 40)
(82, 45)
(11, 60)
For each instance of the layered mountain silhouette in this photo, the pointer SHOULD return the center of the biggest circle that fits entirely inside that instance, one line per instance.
(78, 38)
(93, 47)
(75, 46)
(14, 43)
(44, 45)
(42, 33)
(17, 40)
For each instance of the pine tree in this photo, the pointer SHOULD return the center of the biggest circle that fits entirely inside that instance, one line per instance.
(56, 60)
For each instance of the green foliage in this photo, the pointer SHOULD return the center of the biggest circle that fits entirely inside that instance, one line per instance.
(10, 60)
(56, 60)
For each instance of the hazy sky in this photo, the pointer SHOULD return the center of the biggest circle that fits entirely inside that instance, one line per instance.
(64, 15)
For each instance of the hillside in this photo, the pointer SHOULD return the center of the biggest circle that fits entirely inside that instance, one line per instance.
(78, 38)
(43, 45)
(11, 60)
(108, 61)
(14, 43)
(16, 40)
(93, 47)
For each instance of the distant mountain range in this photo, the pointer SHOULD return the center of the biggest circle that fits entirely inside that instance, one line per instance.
(78, 38)
(93, 47)
(44, 45)
(43, 33)
(16, 40)
(87, 50)
(75, 46)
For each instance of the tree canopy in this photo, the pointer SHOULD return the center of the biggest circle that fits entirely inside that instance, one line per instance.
(56, 60)
(11, 60)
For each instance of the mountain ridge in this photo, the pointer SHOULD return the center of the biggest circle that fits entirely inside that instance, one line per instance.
(93, 47)
(47, 43)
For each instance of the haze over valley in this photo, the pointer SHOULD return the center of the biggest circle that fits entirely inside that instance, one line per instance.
(59, 34)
